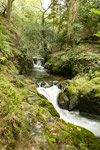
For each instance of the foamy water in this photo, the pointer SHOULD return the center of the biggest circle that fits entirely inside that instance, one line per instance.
(73, 116)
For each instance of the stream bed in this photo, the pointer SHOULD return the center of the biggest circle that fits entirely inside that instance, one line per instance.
(46, 85)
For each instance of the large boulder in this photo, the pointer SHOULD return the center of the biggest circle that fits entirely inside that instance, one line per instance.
(83, 94)
(73, 62)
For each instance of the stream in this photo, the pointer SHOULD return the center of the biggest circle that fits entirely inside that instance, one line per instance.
(46, 85)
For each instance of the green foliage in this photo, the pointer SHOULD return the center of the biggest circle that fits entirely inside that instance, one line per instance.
(89, 19)
(73, 62)
(98, 34)
(61, 38)
(5, 44)
(3, 5)
(95, 11)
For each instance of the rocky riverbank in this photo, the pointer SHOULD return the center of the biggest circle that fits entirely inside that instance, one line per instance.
(81, 93)
(28, 121)
(81, 66)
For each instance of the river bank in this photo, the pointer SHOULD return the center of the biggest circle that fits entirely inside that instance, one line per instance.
(30, 121)
(80, 65)
(49, 86)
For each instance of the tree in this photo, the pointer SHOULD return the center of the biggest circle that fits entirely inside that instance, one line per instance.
(72, 11)
(30, 18)
(3, 7)
(59, 16)
(9, 9)
(43, 31)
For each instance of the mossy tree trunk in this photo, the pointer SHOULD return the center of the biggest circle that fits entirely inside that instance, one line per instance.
(72, 11)
(9, 9)
(44, 37)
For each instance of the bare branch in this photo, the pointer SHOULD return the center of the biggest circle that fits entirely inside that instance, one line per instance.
(48, 7)
(45, 10)
(42, 5)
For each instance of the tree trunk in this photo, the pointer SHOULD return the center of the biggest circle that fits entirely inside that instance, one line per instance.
(72, 10)
(44, 38)
(9, 9)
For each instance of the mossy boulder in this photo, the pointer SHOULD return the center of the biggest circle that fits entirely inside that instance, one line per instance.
(73, 62)
(83, 93)
(46, 104)
(58, 64)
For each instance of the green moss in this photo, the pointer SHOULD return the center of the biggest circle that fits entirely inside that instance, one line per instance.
(13, 123)
(91, 88)
(69, 136)
(97, 73)
(47, 105)
(84, 86)
(18, 83)
(4, 69)
(74, 89)
(51, 142)
(70, 147)
(80, 91)
(79, 82)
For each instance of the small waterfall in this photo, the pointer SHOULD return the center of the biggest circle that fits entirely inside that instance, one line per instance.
(90, 122)
(38, 63)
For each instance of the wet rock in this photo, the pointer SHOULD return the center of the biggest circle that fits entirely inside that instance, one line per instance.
(25, 105)
(42, 84)
(33, 97)
(49, 84)
(46, 85)
(55, 82)
(82, 94)
(30, 95)
(40, 140)
(38, 128)
(33, 133)
(50, 119)
(33, 148)
(63, 101)
(62, 85)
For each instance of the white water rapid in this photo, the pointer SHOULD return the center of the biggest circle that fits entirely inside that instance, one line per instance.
(73, 116)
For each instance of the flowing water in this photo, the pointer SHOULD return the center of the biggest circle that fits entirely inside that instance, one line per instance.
(43, 82)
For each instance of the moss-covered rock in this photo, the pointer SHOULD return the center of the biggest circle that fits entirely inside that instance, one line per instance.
(59, 65)
(83, 93)
(46, 104)
(74, 61)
